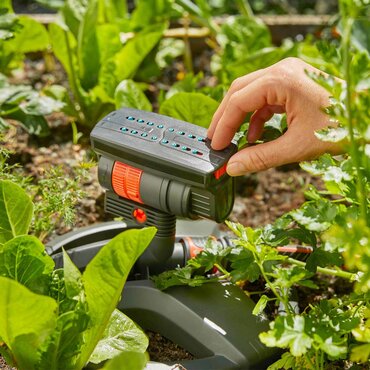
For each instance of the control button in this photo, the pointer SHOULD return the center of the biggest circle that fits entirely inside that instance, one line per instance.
(124, 129)
(201, 139)
(140, 120)
(154, 137)
(160, 126)
(175, 145)
(130, 118)
(197, 152)
(171, 129)
(133, 132)
(164, 141)
(144, 134)
(139, 215)
(191, 136)
(181, 132)
(150, 123)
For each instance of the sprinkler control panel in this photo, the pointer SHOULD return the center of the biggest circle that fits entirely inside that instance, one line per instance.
(164, 163)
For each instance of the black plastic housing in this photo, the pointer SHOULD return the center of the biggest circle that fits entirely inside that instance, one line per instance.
(187, 180)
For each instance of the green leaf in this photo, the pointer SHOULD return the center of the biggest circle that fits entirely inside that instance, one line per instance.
(315, 216)
(88, 47)
(35, 125)
(288, 332)
(323, 258)
(168, 50)
(64, 47)
(244, 267)
(286, 362)
(121, 335)
(26, 320)
(188, 84)
(180, 276)
(128, 60)
(72, 278)
(104, 279)
(64, 345)
(61, 94)
(361, 34)
(332, 134)
(41, 105)
(260, 305)
(23, 259)
(150, 12)
(16, 210)
(129, 95)
(361, 353)
(332, 349)
(127, 361)
(196, 108)
(32, 36)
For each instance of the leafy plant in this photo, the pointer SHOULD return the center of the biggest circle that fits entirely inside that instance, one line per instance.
(335, 223)
(19, 35)
(27, 106)
(79, 322)
(94, 66)
(55, 194)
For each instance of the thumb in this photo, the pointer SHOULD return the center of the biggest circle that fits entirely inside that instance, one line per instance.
(263, 156)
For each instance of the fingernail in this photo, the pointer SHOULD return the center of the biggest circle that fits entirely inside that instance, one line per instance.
(235, 169)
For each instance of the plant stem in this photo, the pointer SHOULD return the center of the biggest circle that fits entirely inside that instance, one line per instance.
(74, 86)
(312, 365)
(220, 268)
(187, 53)
(326, 271)
(245, 8)
(276, 293)
(354, 148)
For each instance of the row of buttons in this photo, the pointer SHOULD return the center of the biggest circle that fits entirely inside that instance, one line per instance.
(135, 132)
(190, 136)
(184, 147)
(149, 123)
(171, 129)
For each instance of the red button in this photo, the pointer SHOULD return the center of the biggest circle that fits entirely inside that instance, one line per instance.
(220, 172)
(139, 215)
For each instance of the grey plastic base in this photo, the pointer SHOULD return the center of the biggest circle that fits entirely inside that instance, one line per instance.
(214, 322)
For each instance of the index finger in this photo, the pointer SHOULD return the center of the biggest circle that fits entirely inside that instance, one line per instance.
(261, 92)
(237, 85)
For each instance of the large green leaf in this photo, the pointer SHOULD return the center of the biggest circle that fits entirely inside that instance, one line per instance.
(23, 259)
(64, 47)
(127, 361)
(26, 320)
(196, 108)
(150, 12)
(31, 37)
(88, 48)
(104, 279)
(111, 11)
(16, 211)
(129, 95)
(133, 53)
(121, 335)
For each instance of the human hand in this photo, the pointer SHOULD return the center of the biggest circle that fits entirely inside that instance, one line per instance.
(282, 87)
